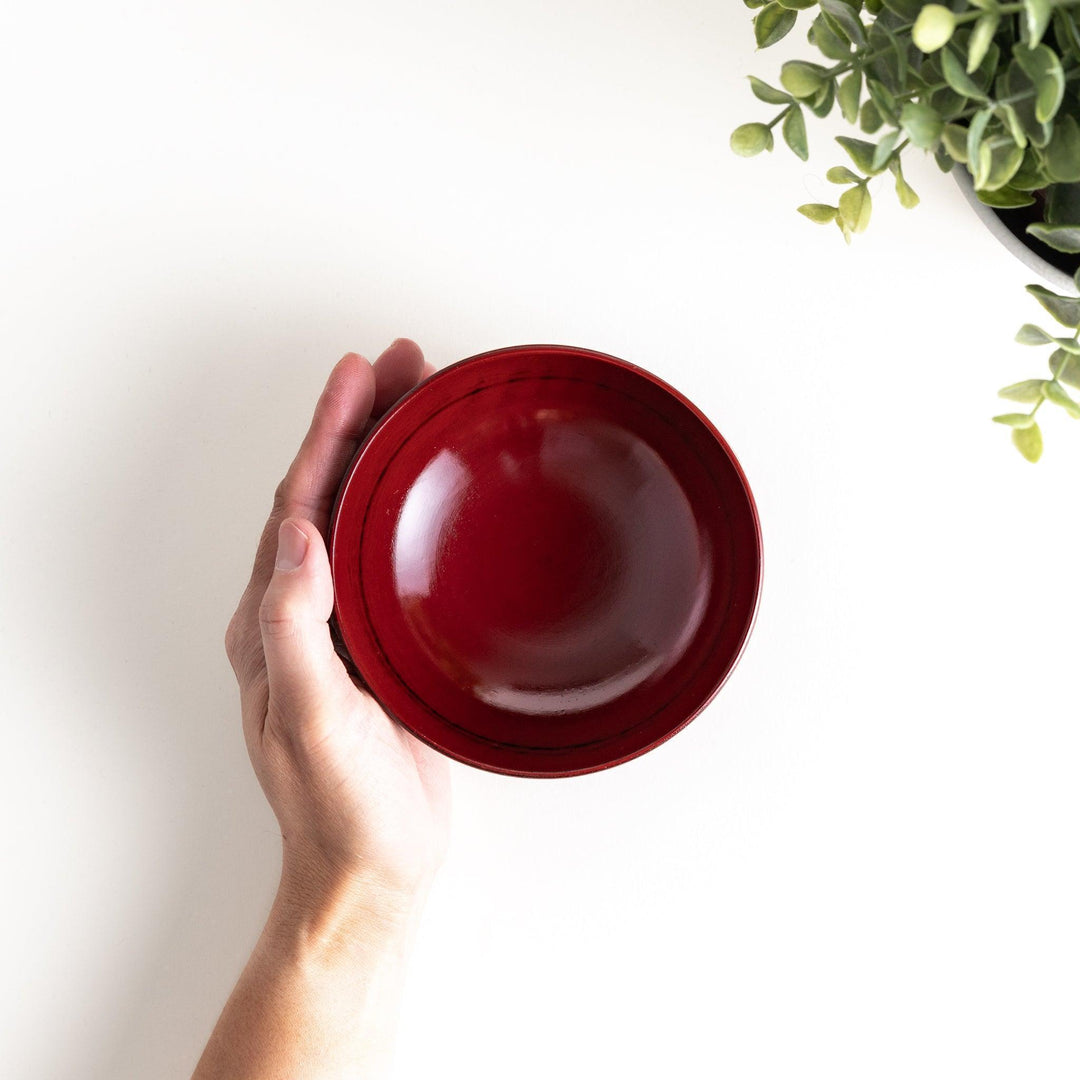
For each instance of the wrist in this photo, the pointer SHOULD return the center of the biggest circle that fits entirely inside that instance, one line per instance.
(327, 918)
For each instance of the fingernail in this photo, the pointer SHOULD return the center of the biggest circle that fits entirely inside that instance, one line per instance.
(292, 545)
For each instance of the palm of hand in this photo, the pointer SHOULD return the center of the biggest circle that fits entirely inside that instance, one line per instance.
(353, 791)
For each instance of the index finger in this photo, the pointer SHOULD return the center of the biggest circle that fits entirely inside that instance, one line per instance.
(355, 395)
(312, 480)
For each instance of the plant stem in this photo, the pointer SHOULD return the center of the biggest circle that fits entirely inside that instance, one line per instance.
(921, 90)
(779, 116)
(1010, 9)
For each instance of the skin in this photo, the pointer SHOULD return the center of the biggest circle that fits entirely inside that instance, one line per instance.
(363, 806)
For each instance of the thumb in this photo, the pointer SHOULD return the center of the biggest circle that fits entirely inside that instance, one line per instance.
(302, 667)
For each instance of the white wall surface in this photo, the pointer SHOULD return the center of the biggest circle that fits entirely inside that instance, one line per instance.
(859, 862)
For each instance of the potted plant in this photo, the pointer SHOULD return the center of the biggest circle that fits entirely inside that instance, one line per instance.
(990, 85)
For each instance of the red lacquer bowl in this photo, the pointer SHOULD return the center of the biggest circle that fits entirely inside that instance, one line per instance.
(546, 561)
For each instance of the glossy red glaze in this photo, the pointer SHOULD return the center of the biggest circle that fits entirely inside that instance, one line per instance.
(546, 561)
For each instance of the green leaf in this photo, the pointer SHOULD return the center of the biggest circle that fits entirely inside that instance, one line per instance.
(901, 47)
(1043, 67)
(794, 132)
(1067, 30)
(1065, 367)
(1008, 114)
(1015, 419)
(1034, 335)
(764, 92)
(1060, 237)
(860, 152)
(1063, 204)
(1056, 393)
(908, 10)
(1036, 19)
(1021, 90)
(933, 27)
(802, 79)
(869, 117)
(855, 208)
(1062, 154)
(884, 100)
(988, 69)
(955, 139)
(884, 150)
(827, 41)
(841, 174)
(1029, 334)
(957, 78)
(1005, 198)
(842, 19)
(796, 5)
(848, 94)
(998, 162)
(771, 24)
(1030, 177)
(1066, 309)
(819, 213)
(823, 102)
(750, 139)
(922, 124)
(1028, 392)
(975, 132)
(947, 101)
(904, 192)
(981, 39)
(1029, 442)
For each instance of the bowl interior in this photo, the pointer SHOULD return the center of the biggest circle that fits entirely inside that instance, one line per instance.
(545, 561)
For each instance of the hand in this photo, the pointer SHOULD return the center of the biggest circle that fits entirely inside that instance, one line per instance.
(363, 805)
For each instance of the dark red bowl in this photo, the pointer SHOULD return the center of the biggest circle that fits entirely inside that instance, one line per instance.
(546, 561)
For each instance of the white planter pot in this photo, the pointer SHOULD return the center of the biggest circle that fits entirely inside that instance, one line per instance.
(1057, 279)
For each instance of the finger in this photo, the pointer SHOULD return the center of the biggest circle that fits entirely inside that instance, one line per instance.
(397, 370)
(336, 429)
(308, 489)
(303, 671)
(429, 369)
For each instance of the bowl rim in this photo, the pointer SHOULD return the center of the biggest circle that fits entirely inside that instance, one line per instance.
(508, 352)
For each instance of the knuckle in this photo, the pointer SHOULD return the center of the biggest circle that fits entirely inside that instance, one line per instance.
(242, 644)
(282, 494)
(276, 618)
(233, 637)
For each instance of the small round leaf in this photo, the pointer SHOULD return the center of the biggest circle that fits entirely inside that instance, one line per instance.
(1015, 419)
(794, 131)
(771, 24)
(933, 27)
(1029, 442)
(750, 139)
(819, 213)
(802, 79)
(1027, 392)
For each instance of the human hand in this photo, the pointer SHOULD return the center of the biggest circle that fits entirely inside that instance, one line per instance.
(363, 805)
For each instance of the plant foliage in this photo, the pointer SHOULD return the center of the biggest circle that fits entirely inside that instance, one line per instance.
(989, 85)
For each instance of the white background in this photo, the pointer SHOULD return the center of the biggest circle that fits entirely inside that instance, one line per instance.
(860, 861)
